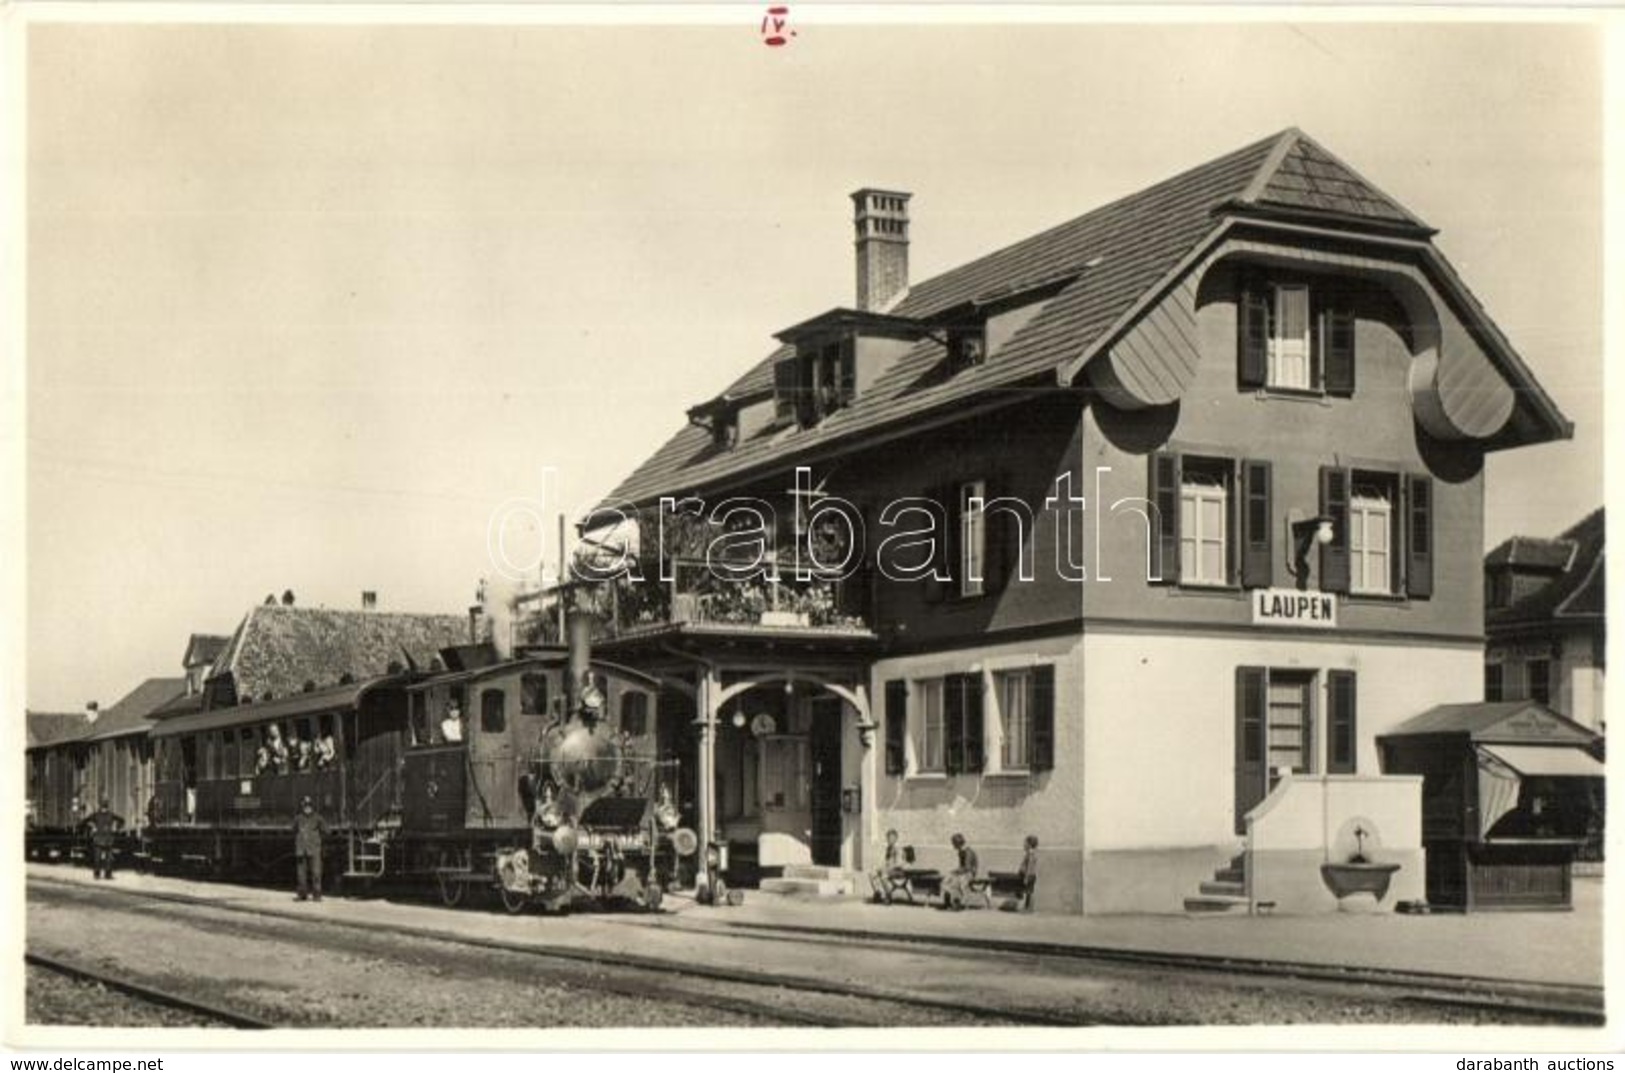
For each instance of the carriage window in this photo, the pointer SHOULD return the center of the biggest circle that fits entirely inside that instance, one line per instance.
(420, 719)
(228, 754)
(635, 714)
(493, 711)
(245, 751)
(533, 693)
(326, 749)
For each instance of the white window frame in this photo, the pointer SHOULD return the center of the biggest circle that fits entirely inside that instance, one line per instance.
(1017, 682)
(1290, 355)
(1195, 489)
(928, 694)
(972, 538)
(1371, 509)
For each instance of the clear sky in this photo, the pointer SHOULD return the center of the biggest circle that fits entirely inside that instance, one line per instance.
(305, 304)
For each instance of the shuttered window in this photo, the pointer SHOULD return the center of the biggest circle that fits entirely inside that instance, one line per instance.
(1419, 536)
(1342, 745)
(930, 737)
(1295, 336)
(1212, 520)
(962, 724)
(896, 717)
(1334, 504)
(1382, 533)
(1204, 552)
(1257, 539)
(1371, 537)
(1289, 346)
(971, 562)
(1015, 700)
(1164, 498)
(1043, 719)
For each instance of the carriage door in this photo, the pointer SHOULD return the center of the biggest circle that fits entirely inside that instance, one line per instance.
(826, 780)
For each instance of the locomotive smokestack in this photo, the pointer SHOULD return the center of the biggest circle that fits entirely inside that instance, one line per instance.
(578, 636)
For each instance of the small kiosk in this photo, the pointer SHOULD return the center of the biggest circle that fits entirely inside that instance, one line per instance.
(1510, 790)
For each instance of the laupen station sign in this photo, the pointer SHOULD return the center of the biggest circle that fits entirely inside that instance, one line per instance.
(1289, 607)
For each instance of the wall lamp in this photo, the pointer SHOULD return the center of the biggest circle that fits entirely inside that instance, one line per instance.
(1306, 534)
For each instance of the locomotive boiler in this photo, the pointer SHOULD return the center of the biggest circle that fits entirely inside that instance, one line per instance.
(604, 827)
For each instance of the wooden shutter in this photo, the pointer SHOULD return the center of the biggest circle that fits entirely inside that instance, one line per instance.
(1253, 333)
(1041, 756)
(1337, 325)
(1342, 746)
(1164, 496)
(1001, 530)
(1418, 536)
(1257, 555)
(1252, 755)
(1334, 504)
(953, 723)
(896, 716)
(971, 715)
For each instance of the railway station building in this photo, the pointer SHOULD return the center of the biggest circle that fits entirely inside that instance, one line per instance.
(1163, 517)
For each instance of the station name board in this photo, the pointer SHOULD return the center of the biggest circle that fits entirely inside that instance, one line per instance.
(1289, 607)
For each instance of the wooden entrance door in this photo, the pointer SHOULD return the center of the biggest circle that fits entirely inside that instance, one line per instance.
(1274, 718)
(825, 747)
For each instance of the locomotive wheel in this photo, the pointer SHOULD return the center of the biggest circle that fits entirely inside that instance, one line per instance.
(514, 901)
(452, 892)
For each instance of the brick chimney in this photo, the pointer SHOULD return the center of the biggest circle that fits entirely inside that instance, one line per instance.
(369, 600)
(881, 220)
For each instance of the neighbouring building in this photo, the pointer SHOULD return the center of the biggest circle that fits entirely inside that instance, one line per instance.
(1167, 514)
(1545, 603)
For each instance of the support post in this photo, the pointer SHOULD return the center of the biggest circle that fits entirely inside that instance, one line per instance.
(707, 702)
(865, 824)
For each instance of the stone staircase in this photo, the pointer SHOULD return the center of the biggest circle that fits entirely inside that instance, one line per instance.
(812, 881)
(1226, 892)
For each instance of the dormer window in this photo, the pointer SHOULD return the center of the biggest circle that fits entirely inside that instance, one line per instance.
(1296, 336)
(724, 430)
(816, 382)
(967, 347)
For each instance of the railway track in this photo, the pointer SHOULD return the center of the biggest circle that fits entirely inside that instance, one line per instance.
(667, 980)
(124, 985)
(1524, 1000)
(1574, 1004)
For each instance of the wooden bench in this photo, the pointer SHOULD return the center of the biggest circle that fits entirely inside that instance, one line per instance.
(1001, 884)
(911, 882)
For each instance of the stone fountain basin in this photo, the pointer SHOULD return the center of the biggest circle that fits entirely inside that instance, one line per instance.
(1358, 877)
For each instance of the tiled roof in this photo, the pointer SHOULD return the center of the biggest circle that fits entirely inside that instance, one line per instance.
(1577, 594)
(204, 647)
(1138, 238)
(1309, 177)
(1104, 263)
(52, 728)
(133, 711)
(1534, 553)
(1487, 720)
(277, 649)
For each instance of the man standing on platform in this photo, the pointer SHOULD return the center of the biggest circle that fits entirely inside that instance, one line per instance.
(309, 828)
(104, 825)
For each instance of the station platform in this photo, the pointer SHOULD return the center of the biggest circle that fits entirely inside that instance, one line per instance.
(1547, 947)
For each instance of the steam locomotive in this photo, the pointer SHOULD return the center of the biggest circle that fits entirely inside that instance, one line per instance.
(535, 776)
